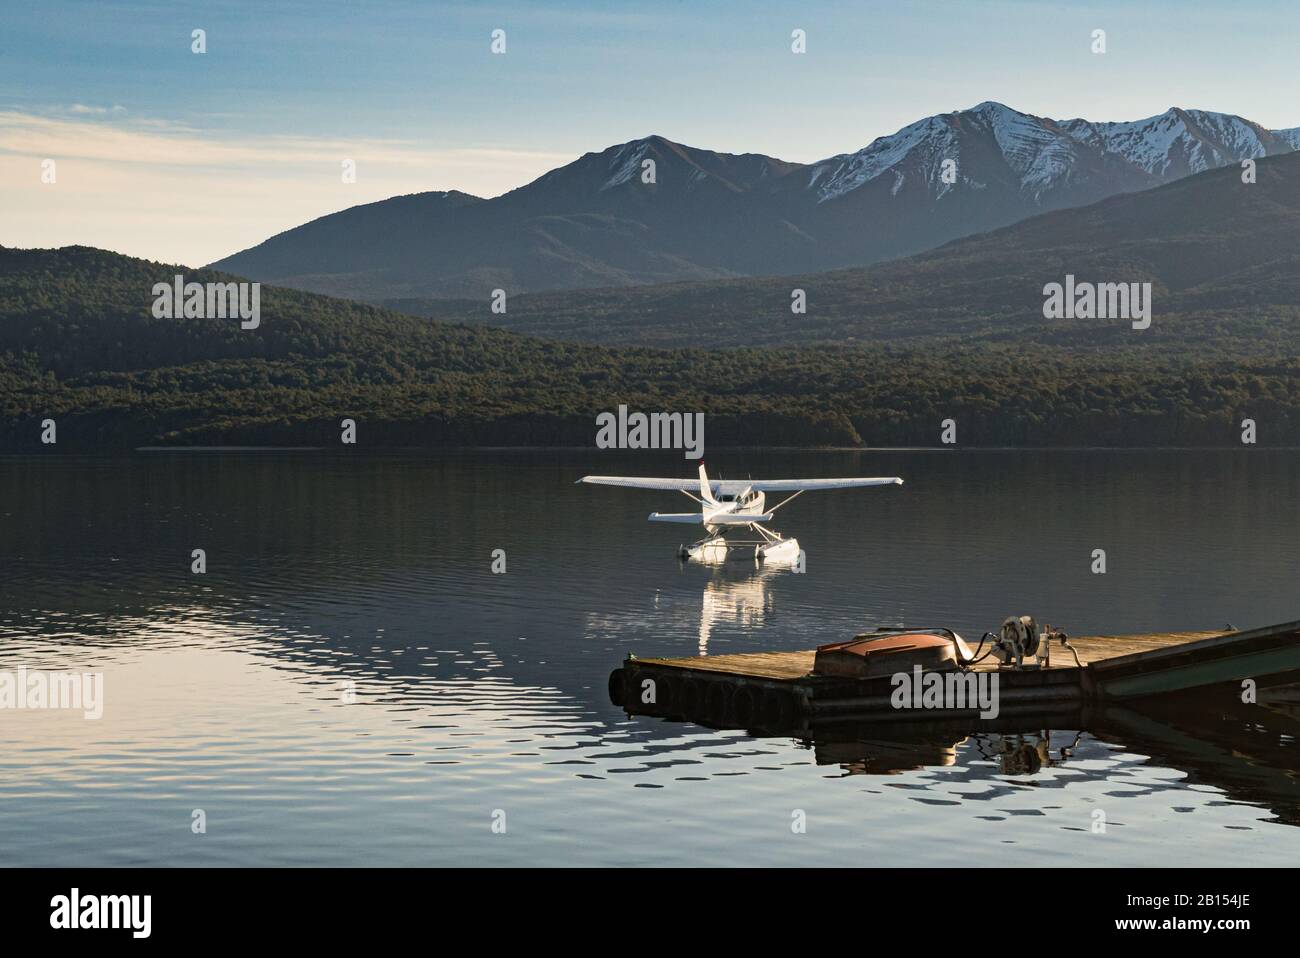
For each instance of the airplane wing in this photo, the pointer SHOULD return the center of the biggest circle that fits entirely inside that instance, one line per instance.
(732, 486)
(637, 482)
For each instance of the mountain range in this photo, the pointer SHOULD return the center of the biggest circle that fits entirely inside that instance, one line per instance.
(596, 223)
(1222, 257)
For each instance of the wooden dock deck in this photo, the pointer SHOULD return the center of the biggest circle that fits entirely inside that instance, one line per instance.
(775, 689)
(784, 666)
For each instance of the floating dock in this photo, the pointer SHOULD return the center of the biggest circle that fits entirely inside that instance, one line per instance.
(778, 690)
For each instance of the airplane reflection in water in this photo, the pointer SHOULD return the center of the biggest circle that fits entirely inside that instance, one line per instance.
(740, 602)
(736, 598)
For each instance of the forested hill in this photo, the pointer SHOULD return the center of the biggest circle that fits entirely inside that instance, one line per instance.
(79, 345)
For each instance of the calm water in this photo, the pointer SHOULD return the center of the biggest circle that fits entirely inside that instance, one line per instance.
(350, 684)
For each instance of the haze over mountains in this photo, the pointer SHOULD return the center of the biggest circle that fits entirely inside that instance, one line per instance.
(595, 223)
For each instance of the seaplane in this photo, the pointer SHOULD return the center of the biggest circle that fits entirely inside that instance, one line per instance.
(729, 506)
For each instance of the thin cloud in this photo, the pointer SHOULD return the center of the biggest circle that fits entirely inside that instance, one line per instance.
(162, 143)
(82, 108)
(176, 193)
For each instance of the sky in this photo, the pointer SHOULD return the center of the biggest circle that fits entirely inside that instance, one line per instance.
(181, 157)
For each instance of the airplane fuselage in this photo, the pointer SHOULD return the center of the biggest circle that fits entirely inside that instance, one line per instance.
(747, 502)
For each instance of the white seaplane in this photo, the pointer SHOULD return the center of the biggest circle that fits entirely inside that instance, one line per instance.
(728, 505)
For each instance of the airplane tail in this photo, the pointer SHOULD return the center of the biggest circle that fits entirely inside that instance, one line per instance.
(706, 493)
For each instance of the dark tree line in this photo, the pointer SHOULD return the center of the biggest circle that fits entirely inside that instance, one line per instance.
(78, 344)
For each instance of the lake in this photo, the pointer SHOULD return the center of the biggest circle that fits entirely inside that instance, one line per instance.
(349, 683)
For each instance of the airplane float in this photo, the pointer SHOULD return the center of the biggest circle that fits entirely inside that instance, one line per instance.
(728, 505)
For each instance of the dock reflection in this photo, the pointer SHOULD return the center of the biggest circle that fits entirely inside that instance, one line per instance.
(1249, 752)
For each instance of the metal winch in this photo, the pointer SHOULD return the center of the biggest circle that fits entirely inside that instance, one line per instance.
(1020, 639)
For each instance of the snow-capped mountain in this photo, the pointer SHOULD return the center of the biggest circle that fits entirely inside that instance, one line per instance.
(1037, 151)
(1180, 142)
(966, 172)
(1291, 136)
(1046, 155)
(600, 221)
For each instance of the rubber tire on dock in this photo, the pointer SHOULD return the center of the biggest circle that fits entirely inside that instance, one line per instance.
(778, 708)
(744, 705)
(689, 695)
(618, 687)
(666, 691)
(717, 701)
